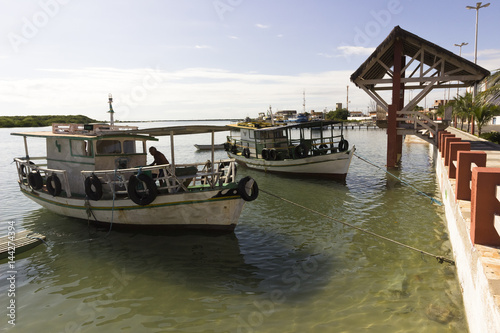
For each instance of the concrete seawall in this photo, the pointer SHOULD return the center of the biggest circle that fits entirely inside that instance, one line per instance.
(478, 266)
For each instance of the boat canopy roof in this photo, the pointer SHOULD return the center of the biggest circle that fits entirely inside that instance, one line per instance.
(180, 130)
(146, 133)
(309, 124)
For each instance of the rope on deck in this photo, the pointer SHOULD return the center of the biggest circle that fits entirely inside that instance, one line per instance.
(433, 200)
(440, 259)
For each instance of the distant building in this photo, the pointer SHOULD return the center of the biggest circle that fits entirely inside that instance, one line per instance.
(338, 106)
(355, 114)
(317, 115)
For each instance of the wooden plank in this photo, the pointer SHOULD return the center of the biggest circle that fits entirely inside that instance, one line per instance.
(23, 241)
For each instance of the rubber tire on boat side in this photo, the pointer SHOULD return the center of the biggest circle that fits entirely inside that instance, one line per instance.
(301, 150)
(35, 180)
(273, 154)
(246, 152)
(23, 169)
(343, 145)
(135, 196)
(56, 189)
(90, 181)
(265, 153)
(242, 189)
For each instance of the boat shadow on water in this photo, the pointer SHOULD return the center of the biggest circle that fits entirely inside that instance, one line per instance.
(248, 261)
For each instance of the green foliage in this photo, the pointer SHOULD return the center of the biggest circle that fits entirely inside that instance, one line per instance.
(491, 136)
(339, 114)
(39, 121)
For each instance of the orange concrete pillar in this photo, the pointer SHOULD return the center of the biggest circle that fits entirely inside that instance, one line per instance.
(484, 206)
(447, 142)
(455, 147)
(440, 133)
(464, 174)
(443, 139)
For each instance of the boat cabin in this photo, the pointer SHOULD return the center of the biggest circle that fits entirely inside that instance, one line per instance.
(75, 148)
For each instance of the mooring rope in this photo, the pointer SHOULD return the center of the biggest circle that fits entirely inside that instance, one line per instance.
(440, 259)
(433, 200)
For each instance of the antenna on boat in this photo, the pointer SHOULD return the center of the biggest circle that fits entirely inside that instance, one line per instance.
(270, 113)
(111, 112)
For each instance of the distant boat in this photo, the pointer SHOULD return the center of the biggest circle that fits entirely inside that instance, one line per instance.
(294, 149)
(209, 147)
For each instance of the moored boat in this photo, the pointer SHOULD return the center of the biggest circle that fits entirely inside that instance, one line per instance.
(209, 147)
(306, 149)
(100, 172)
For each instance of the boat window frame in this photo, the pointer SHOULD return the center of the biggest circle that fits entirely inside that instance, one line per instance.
(108, 153)
(89, 144)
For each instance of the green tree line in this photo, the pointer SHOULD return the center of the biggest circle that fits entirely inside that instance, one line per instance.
(40, 121)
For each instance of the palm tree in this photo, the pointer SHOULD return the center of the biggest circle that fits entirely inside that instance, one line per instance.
(462, 108)
(483, 113)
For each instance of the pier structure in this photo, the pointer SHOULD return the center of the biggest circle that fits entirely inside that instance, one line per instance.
(468, 172)
(404, 61)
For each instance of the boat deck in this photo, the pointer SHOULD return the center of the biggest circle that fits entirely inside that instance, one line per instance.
(22, 241)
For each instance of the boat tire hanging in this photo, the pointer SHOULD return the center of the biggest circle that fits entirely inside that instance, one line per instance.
(265, 153)
(35, 180)
(248, 188)
(142, 197)
(93, 187)
(343, 145)
(301, 150)
(54, 190)
(246, 152)
(24, 168)
(273, 154)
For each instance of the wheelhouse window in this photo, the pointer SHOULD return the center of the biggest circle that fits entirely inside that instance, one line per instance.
(81, 148)
(108, 147)
(133, 147)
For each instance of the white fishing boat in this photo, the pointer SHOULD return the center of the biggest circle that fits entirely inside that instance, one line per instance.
(305, 149)
(100, 172)
(209, 147)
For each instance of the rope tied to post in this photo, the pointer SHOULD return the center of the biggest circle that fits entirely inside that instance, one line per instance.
(440, 259)
(433, 200)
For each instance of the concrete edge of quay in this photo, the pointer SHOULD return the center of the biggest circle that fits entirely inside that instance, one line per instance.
(478, 266)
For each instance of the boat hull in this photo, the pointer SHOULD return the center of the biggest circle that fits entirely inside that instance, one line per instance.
(329, 166)
(202, 210)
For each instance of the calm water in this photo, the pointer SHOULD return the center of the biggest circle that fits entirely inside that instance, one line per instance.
(283, 270)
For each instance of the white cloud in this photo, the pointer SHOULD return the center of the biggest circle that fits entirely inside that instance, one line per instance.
(262, 26)
(355, 50)
(192, 93)
(202, 47)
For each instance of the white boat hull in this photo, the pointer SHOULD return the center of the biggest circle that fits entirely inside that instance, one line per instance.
(190, 210)
(330, 165)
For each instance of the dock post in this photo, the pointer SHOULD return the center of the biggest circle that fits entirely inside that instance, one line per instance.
(447, 143)
(455, 147)
(464, 173)
(484, 206)
(441, 142)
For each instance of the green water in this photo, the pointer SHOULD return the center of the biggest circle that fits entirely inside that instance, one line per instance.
(284, 269)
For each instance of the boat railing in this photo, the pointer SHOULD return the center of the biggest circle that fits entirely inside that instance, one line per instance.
(169, 179)
(287, 148)
(29, 173)
(89, 129)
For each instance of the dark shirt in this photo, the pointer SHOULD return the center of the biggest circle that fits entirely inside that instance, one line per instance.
(159, 158)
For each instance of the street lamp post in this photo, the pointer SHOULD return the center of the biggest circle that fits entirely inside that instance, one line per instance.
(477, 7)
(460, 53)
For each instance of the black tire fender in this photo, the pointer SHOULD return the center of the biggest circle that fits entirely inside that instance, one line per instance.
(248, 189)
(35, 180)
(301, 150)
(343, 145)
(54, 190)
(265, 153)
(142, 198)
(92, 182)
(246, 152)
(273, 154)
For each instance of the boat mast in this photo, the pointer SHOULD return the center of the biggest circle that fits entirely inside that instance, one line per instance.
(111, 112)
(304, 102)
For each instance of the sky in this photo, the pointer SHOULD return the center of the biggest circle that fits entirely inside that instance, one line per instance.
(213, 59)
